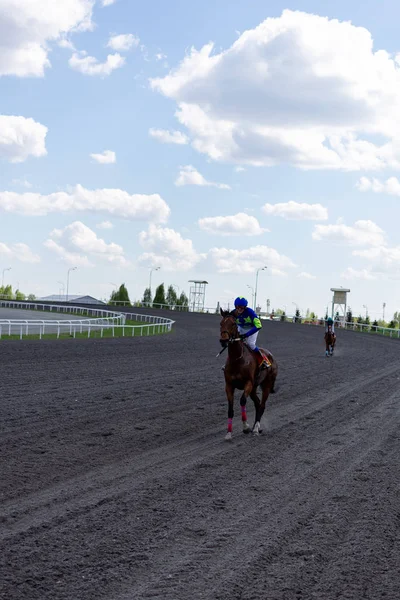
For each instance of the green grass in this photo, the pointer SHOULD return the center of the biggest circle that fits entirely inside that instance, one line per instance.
(148, 329)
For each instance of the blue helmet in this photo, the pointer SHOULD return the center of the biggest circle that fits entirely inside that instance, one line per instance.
(241, 302)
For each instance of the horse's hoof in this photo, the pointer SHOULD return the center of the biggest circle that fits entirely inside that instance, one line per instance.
(246, 430)
(228, 437)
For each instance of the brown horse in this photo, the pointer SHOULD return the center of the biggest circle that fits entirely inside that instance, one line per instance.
(242, 373)
(330, 341)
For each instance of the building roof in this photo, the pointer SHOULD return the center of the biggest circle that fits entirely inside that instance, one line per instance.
(83, 299)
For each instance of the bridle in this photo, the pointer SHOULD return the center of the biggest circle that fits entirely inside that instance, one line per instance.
(231, 339)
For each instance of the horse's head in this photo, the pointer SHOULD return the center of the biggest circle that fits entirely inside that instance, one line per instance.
(228, 328)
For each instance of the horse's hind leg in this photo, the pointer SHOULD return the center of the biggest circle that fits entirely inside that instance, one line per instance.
(260, 407)
(246, 426)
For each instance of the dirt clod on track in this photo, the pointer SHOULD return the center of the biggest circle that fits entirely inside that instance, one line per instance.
(116, 482)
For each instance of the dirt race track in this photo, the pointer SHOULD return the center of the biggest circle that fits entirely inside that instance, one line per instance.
(116, 482)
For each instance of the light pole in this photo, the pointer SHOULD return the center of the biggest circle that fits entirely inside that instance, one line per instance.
(2, 279)
(62, 290)
(366, 310)
(383, 311)
(252, 293)
(255, 293)
(151, 270)
(70, 269)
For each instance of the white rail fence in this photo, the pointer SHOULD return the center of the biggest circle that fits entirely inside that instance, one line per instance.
(101, 321)
(361, 327)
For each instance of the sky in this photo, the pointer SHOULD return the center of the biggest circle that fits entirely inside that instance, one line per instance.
(209, 139)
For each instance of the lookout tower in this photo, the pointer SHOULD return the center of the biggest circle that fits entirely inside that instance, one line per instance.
(339, 301)
(197, 295)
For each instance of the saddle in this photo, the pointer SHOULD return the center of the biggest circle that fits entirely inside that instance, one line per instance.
(262, 358)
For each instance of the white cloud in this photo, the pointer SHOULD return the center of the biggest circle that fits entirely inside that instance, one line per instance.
(22, 183)
(351, 273)
(27, 27)
(88, 65)
(240, 224)
(382, 260)
(188, 175)
(78, 240)
(305, 275)
(229, 260)
(108, 2)
(391, 186)
(363, 233)
(105, 225)
(107, 157)
(161, 56)
(20, 138)
(169, 137)
(20, 252)
(297, 211)
(168, 249)
(299, 89)
(123, 42)
(67, 44)
(115, 202)
(70, 258)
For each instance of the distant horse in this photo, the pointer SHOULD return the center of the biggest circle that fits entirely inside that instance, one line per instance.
(242, 373)
(330, 341)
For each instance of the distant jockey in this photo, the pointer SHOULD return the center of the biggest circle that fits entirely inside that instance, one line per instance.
(329, 325)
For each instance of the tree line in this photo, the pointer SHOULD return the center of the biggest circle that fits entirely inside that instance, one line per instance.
(6, 293)
(161, 299)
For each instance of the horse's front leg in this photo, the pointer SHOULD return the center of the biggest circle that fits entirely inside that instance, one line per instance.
(246, 426)
(230, 392)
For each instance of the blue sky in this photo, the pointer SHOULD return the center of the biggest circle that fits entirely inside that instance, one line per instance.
(278, 146)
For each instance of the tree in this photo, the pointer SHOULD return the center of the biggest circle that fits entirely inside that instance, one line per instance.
(313, 316)
(392, 325)
(307, 313)
(283, 316)
(120, 296)
(359, 319)
(297, 316)
(19, 295)
(31, 297)
(171, 296)
(147, 296)
(6, 291)
(159, 298)
(349, 316)
(183, 301)
(374, 325)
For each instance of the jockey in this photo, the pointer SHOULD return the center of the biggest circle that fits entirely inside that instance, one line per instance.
(329, 325)
(249, 326)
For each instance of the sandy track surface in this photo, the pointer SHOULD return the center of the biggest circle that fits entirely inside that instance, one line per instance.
(116, 482)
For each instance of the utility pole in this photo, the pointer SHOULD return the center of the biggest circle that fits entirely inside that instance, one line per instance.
(255, 293)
